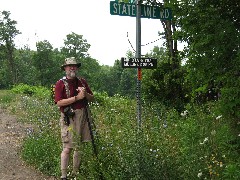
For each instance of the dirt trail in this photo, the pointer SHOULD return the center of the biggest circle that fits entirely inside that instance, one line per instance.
(12, 167)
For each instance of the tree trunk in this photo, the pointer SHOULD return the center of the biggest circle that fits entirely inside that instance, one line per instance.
(11, 63)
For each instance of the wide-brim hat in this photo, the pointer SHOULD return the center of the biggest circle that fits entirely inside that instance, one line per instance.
(70, 61)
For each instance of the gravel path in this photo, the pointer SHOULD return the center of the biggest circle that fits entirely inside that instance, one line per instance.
(12, 167)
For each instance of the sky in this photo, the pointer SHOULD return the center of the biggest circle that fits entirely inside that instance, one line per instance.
(53, 20)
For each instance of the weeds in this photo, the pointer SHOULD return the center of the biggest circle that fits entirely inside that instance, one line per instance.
(195, 144)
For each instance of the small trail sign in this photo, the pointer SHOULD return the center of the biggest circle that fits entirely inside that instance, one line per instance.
(148, 63)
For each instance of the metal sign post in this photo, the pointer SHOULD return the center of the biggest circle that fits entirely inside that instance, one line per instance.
(138, 55)
(138, 10)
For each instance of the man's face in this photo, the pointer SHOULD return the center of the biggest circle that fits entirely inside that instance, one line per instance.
(71, 71)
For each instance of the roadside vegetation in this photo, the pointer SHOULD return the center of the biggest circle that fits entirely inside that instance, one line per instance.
(196, 143)
(190, 103)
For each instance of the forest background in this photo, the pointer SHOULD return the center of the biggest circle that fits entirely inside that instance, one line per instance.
(203, 76)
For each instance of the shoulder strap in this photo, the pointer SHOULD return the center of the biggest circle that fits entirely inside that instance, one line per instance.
(64, 80)
(80, 79)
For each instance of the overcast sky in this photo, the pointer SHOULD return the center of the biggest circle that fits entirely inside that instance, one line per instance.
(52, 20)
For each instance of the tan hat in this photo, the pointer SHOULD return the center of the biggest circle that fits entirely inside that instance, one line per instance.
(70, 61)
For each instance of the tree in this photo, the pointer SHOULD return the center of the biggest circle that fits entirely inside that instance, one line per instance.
(109, 78)
(44, 62)
(128, 82)
(8, 32)
(165, 84)
(25, 69)
(90, 70)
(211, 29)
(75, 46)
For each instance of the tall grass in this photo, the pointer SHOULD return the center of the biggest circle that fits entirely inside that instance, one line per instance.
(198, 143)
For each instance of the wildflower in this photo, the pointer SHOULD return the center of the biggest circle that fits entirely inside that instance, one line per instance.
(220, 164)
(204, 141)
(239, 135)
(184, 113)
(199, 174)
(218, 117)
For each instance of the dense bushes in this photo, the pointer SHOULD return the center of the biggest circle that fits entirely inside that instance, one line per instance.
(198, 143)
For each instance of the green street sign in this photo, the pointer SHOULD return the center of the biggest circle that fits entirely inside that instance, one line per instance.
(129, 9)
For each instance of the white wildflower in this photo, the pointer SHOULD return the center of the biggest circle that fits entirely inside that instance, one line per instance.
(218, 117)
(199, 174)
(205, 140)
(184, 113)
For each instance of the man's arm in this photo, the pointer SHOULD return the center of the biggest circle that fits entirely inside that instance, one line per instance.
(68, 101)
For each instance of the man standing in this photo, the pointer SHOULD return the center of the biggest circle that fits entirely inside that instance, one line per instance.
(71, 96)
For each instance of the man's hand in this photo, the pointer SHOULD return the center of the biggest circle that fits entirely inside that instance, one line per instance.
(81, 93)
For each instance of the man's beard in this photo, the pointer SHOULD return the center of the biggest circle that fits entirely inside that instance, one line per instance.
(71, 73)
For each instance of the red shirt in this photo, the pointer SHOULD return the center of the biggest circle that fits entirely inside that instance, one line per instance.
(60, 92)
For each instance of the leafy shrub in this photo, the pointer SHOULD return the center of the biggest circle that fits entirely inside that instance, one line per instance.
(198, 143)
(38, 91)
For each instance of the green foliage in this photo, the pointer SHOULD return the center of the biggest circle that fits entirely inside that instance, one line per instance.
(40, 150)
(75, 46)
(8, 32)
(44, 62)
(4, 83)
(6, 98)
(27, 72)
(100, 98)
(166, 83)
(203, 142)
(90, 70)
(38, 91)
(128, 83)
(198, 143)
(211, 29)
(109, 78)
